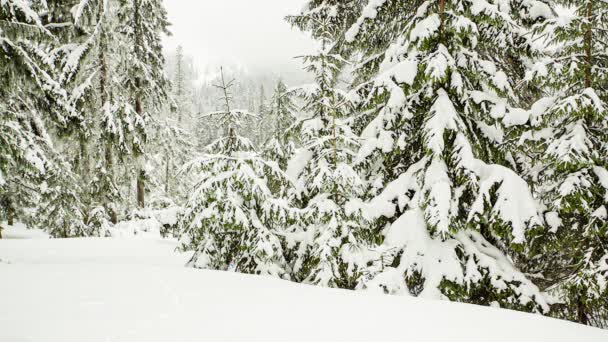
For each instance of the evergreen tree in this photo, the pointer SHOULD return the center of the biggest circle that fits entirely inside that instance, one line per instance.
(171, 141)
(437, 101)
(180, 84)
(30, 101)
(327, 236)
(569, 128)
(87, 70)
(232, 220)
(171, 147)
(282, 119)
(142, 22)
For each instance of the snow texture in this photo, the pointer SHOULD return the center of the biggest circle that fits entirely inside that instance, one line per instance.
(137, 290)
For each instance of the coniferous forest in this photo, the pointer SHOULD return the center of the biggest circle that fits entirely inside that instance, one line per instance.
(444, 149)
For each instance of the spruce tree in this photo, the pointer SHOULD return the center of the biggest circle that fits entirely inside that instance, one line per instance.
(232, 220)
(141, 23)
(569, 129)
(436, 99)
(282, 121)
(86, 71)
(327, 236)
(31, 100)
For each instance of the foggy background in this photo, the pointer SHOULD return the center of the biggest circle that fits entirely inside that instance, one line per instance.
(249, 35)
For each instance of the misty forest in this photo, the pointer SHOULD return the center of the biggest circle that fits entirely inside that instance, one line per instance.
(451, 150)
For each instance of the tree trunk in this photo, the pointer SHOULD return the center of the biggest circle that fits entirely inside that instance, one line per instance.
(103, 89)
(10, 216)
(589, 46)
(110, 170)
(141, 177)
(84, 157)
(441, 16)
(167, 174)
(141, 189)
(582, 312)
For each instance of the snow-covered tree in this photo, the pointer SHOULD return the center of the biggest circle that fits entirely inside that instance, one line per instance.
(282, 119)
(437, 99)
(87, 73)
(170, 147)
(232, 220)
(327, 237)
(568, 128)
(172, 140)
(31, 100)
(142, 24)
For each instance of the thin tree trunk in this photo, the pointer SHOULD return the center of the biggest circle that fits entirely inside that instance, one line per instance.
(84, 157)
(141, 189)
(441, 16)
(10, 216)
(589, 46)
(103, 89)
(167, 167)
(141, 177)
(582, 312)
(335, 142)
(110, 169)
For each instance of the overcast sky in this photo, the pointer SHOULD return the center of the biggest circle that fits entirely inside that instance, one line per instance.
(249, 33)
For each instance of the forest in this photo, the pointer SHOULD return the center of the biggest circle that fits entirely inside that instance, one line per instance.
(444, 149)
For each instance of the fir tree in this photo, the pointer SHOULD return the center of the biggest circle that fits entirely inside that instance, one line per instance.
(282, 119)
(327, 180)
(86, 72)
(569, 129)
(30, 101)
(232, 220)
(436, 103)
(142, 22)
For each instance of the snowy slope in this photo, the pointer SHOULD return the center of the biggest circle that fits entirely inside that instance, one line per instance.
(111, 290)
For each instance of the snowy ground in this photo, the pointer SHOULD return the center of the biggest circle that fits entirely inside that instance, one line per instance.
(111, 290)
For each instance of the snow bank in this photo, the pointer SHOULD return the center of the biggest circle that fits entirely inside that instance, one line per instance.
(20, 231)
(92, 251)
(150, 223)
(136, 290)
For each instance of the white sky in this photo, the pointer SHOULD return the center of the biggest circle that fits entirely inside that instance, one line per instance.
(249, 33)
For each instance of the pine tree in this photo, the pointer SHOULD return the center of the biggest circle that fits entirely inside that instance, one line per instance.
(87, 70)
(435, 100)
(142, 22)
(180, 83)
(30, 101)
(232, 220)
(569, 128)
(172, 143)
(170, 147)
(327, 180)
(282, 121)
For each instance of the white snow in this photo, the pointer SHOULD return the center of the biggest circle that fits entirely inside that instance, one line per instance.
(297, 164)
(113, 290)
(369, 12)
(19, 231)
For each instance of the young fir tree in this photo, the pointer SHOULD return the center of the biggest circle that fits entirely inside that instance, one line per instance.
(569, 128)
(142, 23)
(232, 220)
(180, 90)
(282, 119)
(172, 143)
(449, 213)
(327, 237)
(170, 147)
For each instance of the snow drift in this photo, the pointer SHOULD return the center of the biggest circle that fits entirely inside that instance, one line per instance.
(138, 290)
